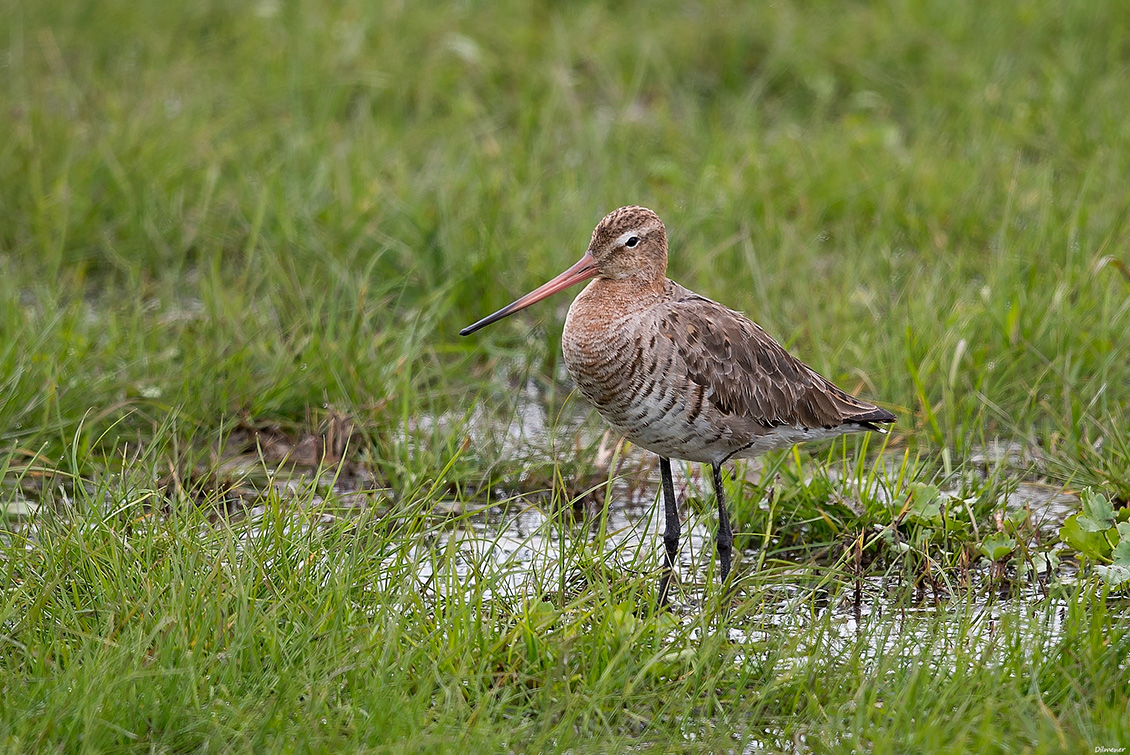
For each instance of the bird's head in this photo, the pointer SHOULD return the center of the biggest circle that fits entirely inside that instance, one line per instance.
(629, 242)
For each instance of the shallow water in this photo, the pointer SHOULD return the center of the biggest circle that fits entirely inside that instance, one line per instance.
(524, 537)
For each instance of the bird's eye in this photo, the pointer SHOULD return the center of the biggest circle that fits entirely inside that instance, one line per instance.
(632, 241)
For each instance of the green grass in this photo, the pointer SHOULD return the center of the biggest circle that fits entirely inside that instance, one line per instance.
(310, 629)
(228, 224)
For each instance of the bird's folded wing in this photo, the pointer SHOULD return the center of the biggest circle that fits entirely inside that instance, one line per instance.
(748, 374)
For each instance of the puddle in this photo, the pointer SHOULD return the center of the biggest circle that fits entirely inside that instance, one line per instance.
(16, 507)
(1048, 505)
(526, 430)
(521, 539)
(522, 547)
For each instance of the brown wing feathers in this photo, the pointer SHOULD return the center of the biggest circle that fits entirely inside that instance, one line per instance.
(749, 374)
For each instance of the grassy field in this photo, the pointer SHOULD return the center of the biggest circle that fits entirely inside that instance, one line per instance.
(235, 236)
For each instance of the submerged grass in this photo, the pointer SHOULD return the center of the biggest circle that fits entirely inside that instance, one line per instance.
(234, 231)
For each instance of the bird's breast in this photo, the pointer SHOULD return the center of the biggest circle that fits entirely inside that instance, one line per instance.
(602, 355)
(636, 380)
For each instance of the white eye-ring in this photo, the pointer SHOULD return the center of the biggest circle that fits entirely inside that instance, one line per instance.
(632, 241)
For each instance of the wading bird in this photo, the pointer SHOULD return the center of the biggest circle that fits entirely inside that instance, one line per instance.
(681, 375)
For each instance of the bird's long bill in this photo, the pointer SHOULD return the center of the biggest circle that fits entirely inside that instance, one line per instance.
(583, 270)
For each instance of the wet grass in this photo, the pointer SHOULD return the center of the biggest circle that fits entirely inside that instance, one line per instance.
(306, 626)
(234, 236)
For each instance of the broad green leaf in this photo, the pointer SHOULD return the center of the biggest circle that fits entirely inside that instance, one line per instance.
(1097, 514)
(624, 620)
(674, 663)
(1115, 574)
(1090, 544)
(926, 505)
(542, 614)
(997, 546)
(686, 655)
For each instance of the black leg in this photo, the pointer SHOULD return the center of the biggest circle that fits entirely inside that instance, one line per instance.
(725, 540)
(671, 529)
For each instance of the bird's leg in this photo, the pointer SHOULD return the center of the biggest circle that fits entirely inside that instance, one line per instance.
(671, 529)
(725, 539)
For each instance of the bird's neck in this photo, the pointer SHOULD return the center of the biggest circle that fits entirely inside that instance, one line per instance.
(608, 299)
(636, 291)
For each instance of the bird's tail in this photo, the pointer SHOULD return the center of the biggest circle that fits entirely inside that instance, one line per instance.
(872, 419)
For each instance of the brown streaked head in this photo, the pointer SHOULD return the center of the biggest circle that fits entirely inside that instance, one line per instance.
(630, 242)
